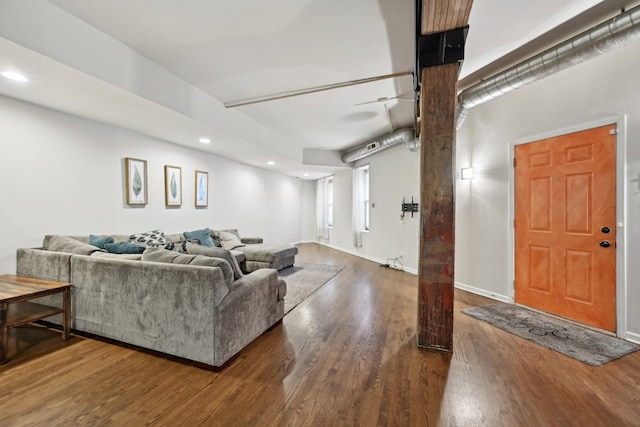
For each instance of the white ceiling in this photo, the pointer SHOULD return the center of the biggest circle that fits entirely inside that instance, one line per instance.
(167, 68)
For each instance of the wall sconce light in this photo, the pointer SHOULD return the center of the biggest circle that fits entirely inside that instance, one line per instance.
(466, 173)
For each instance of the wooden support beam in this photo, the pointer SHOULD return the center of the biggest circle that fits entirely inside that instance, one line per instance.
(435, 276)
(442, 15)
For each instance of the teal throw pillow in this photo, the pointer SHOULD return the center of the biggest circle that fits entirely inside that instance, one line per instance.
(124, 248)
(98, 241)
(203, 235)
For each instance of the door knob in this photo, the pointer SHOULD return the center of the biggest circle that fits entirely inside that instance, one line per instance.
(605, 230)
(605, 244)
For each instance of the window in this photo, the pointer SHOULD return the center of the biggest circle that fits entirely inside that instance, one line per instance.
(330, 201)
(324, 207)
(365, 196)
(361, 199)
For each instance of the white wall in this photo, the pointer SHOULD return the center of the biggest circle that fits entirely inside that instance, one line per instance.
(602, 88)
(62, 174)
(394, 174)
(308, 211)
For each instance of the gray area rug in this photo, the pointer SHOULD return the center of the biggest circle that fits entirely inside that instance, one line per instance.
(585, 345)
(303, 280)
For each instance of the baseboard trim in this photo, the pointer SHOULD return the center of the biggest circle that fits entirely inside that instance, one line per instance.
(367, 257)
(459, 285)
(632, 336)
(484, 293)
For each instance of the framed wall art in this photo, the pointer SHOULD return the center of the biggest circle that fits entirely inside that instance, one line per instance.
(136, 176)
(202, 189)
(172, 185)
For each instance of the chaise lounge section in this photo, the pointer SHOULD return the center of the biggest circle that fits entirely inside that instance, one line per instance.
(252, 253)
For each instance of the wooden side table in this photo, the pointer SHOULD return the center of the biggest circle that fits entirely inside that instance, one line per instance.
(15, 308)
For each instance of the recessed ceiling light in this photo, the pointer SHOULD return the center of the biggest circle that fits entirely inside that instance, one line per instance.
(306, 174)
(271, 163)
(205, 140)
(14, 76)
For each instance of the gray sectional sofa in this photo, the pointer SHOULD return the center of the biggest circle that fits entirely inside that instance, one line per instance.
(193, 306)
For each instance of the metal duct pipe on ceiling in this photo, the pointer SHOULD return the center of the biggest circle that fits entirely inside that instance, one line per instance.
(605, 37)
(380, 143)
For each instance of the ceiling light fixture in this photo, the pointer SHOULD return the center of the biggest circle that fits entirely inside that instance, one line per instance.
(271, 163)
(12, 75)
(205, 140)
(306, 174)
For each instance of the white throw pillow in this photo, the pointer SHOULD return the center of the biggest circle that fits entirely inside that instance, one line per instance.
(229, 240)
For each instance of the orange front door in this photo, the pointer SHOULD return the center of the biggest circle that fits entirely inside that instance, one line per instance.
(565, 230)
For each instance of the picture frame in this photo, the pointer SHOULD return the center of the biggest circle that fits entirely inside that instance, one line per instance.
(136, 181)
(173, 185)
(202, 189)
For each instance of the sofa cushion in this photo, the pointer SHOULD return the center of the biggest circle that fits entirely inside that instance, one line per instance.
(269, 253)
(280, 264)
(252, 240)
(100, 241)
(228, 239)
(149, 238)
(204, 235)
(225, 254)
(130, 257)
(68, 245)
(171, 257)
(239, 255)
(124, 248)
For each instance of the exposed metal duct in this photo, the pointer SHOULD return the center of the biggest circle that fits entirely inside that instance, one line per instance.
(413, 145)
(605, 37)
(383, 142)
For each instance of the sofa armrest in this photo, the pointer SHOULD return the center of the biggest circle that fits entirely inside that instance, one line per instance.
(265, 280)
(251, 240)
(42, 264)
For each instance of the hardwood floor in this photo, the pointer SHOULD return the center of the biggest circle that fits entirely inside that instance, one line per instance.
(346, 356)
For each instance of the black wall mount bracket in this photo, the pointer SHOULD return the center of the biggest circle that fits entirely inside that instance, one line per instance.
(408, 207)
(441, 48)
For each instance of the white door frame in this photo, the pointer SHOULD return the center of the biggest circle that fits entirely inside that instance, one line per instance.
(621, 154)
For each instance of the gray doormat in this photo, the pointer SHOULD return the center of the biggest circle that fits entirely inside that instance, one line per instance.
(585, 345)
(303, 280)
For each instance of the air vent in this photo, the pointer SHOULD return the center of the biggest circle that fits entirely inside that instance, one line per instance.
(381, 142)
(373, 146)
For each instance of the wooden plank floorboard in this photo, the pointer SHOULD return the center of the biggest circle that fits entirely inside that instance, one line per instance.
(346, 356)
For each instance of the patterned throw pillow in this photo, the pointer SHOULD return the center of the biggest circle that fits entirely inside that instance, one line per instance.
(178, 246)
(149, 238)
